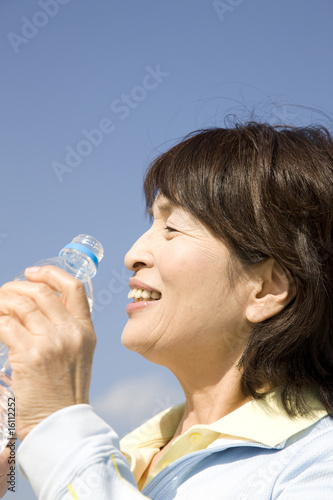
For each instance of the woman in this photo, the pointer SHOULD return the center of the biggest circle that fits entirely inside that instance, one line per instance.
(232, 292)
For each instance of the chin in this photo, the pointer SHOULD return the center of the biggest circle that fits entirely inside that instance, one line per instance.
(132, 340)
(135, 343)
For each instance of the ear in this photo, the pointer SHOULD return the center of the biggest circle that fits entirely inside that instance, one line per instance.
(273, 291)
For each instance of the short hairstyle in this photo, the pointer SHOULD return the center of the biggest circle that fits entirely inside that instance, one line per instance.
(267, 191)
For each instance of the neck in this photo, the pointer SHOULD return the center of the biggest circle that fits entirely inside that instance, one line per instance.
(209, 377)
(209, 396)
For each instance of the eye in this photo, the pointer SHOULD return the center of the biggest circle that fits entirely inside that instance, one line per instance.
(169, 229)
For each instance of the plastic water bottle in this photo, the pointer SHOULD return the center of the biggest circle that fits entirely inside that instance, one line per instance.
(80, 258)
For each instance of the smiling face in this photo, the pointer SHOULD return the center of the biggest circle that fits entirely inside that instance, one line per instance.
(198, 314)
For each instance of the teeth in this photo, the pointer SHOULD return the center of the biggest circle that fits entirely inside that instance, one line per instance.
(132, 293)
(139, 294)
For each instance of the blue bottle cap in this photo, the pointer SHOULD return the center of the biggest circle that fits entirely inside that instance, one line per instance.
(85, 250)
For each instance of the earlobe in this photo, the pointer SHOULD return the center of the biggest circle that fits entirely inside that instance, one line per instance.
(274, 290)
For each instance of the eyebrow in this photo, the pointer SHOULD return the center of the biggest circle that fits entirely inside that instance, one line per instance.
(165, 206)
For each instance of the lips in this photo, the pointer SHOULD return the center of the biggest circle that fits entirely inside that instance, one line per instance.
(133, 307)
(135, 283)
(143, 296)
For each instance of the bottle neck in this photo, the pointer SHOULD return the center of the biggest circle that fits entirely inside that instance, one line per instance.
(80, 262)
(83, 250)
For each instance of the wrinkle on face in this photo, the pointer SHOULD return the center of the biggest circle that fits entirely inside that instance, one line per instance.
(198, 308)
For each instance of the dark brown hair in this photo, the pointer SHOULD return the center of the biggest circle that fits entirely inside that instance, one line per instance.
(267, 191)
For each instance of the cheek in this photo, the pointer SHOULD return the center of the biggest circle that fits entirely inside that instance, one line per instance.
(185, 268)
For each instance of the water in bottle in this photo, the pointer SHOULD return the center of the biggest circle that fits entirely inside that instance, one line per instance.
(80, 258)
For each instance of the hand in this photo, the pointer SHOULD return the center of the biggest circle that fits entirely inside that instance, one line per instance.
(51, 341)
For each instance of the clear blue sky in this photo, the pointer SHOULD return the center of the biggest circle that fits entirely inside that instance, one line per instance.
(143, 74)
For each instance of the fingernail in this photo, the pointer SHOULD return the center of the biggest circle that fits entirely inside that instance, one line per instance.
(33, 269)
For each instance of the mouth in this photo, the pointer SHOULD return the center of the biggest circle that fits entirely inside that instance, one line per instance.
(141, 295)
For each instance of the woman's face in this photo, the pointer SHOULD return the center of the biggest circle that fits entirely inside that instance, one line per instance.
(197, 311)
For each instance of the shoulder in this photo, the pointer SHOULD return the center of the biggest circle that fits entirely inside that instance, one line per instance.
(308, 468)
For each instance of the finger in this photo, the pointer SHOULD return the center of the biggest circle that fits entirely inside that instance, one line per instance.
(42, 287)
(25, 310)
(72, 290)
(13, 333)
(31, 298)
(16, 310)
(23, 326)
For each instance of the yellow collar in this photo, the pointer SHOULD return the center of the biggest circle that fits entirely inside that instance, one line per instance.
(264, 421)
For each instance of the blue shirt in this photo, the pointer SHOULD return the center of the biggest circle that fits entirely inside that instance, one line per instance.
(74, 454)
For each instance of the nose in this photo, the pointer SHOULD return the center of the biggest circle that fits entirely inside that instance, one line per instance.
(140, 255)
